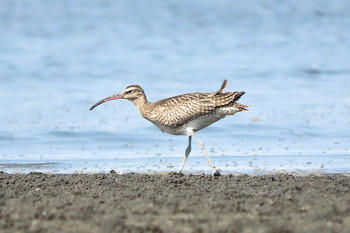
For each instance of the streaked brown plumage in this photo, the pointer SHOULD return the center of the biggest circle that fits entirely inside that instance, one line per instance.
(184, 114)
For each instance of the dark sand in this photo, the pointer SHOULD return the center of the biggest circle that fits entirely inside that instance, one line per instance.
(173, 202)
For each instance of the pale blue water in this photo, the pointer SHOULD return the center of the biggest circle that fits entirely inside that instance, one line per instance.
(57, 58)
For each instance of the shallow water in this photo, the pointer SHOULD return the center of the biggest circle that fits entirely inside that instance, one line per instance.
(59, 58)
(252, 165)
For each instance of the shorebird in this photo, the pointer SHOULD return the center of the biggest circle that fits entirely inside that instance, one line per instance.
(184, 114)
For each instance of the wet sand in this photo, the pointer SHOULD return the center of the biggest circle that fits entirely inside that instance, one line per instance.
(38, 202)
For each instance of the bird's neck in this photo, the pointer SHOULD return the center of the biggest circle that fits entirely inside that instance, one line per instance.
(143, 105)
(140, 101)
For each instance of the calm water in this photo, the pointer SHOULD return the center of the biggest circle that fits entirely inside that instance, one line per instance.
(57, 58)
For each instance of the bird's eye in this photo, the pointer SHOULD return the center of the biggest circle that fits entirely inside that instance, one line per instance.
(129, 92)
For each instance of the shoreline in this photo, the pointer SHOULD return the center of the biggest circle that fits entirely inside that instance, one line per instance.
(237, 165)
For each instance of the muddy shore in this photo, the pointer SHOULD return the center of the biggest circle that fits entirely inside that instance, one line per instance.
(38, 202)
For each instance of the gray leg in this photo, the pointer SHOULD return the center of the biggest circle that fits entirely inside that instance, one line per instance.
(215, 171)
(187, 153)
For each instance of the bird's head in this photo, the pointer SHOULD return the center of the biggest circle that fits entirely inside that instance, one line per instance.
(132, 93)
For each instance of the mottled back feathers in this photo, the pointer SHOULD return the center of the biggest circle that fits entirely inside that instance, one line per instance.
(179, 110)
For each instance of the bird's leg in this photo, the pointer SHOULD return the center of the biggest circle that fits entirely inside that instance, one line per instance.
(187, 153)
(216, 172)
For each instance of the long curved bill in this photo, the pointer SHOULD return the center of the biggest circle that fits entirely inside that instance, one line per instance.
(113, 97)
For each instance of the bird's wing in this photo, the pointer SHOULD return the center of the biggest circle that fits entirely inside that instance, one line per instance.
(223, 86)
(181, 109)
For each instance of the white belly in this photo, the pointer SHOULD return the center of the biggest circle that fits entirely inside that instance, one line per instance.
(196, 124)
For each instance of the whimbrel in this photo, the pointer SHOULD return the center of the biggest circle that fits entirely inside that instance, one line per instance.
(184, 114)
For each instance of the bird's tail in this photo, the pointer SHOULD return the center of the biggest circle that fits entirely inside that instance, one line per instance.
(241, 107)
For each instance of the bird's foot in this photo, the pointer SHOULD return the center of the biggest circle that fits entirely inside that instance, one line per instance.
(216, 172)
(176, 174)
(179, 173)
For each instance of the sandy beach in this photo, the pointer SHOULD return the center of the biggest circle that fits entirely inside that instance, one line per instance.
(172, 202)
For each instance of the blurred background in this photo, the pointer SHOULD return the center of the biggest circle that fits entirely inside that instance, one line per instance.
(59, 57)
